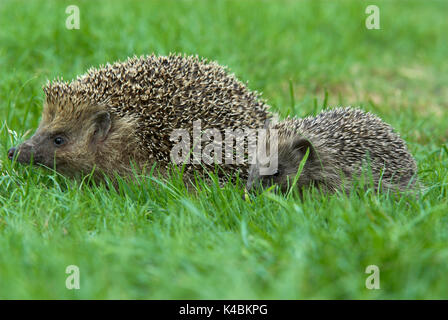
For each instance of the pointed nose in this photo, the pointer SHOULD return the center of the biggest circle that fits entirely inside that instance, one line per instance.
(11, 153)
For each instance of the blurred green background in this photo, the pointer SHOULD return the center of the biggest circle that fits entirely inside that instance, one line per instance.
(146, 242)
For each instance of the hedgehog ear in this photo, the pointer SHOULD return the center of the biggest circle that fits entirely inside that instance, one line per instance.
(102, 122)
(300, 145)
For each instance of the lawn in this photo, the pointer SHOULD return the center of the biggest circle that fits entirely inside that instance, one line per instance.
(158, 241)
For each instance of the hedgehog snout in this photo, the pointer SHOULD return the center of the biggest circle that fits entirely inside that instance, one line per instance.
(253, 183)
(22, 153)
(250, 181)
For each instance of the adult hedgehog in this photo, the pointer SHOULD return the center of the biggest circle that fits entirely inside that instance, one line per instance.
(124, 113)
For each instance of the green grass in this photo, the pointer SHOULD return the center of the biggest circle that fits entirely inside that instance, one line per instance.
(153, 240)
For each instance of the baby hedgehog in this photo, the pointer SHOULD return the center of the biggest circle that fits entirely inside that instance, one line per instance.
(123, 114)
(343, 143)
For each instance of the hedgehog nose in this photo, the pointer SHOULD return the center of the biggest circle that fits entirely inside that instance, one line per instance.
(11, 153)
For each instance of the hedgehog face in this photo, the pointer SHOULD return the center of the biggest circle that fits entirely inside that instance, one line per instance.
(257, 180)
(67, 143)
(41, 148)
(289, 156)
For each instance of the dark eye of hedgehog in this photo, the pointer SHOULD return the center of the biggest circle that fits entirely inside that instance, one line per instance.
(59, 141)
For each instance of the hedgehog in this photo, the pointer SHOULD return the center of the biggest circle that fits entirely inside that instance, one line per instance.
(120, 116)
(337, 147)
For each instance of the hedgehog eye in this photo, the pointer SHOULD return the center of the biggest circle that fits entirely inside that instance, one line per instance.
(277, 173)
(59, 141)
